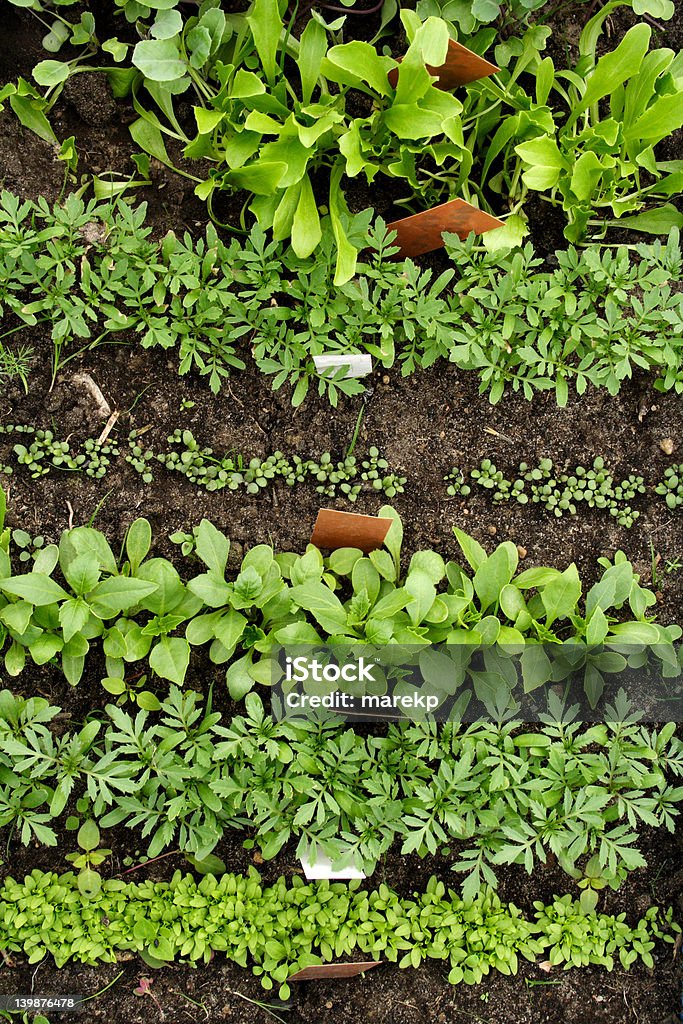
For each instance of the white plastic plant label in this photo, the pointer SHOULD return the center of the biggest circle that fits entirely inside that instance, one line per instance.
(359, 364)
(322, 868)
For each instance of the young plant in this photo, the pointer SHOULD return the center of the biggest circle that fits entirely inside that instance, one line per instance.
(601, 164)
(164, 921)
(273, 114)
(89, 879)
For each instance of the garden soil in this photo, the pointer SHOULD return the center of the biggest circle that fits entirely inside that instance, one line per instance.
(424, 425)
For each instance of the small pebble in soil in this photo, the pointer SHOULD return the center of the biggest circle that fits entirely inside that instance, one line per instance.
(328, 1005)
(667, 446)
(442, 434)
(492, 531)
(643, 408)
(385, 379)
(521, 551)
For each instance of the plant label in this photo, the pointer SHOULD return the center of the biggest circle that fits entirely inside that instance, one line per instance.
(358, 364)
(335, 529)
(423, 231)
(318, 865)
(460, 67)
(319, 971)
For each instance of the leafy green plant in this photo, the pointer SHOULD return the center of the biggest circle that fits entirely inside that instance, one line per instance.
(16, 364)
(43, 452)
(602, 163)
(456, 483)
(29, 547)
(592, 320)
(88, 878)
(200, 465)
(272, 132)
(671, 487)
(183, 778)
(206, 777)
(584, 323)
(203, 467)
(203, 297)
(30, 108)
(10, 1015)
(272, 115)
(557, 492)
(154, 919)
(4, 532)
(469, 16)
(136, 605)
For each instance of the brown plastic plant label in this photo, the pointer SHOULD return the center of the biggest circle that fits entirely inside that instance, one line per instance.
(335, 529)
(319, 971)
(422, 232)
(460, 67)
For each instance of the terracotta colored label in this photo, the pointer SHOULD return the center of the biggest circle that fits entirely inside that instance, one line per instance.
(422, 232)
(333, 971)
(460, 67)
(335, 529)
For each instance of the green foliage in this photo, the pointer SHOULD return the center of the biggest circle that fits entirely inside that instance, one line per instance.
(456, 483)
(578, 793)
(334, 479)
(134, 608)
(467, 17)
(90, 272)
(595, 319)
(272, 114)
(599, 164)
(671, 487)
(559, 493)
(276, 115)
(345, 478)
(603, 162)
(43, 453)
(16, 364)
(570, 792)
(29, 107)
(89, 880)
(283, 928)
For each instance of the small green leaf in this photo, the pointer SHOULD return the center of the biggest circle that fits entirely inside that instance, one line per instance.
(138, 543)
(170, 659)
(36, 588)
(159, 60)
(88, 837)
(51, 72)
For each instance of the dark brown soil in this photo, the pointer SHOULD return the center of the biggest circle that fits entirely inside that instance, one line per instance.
(424, 425)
